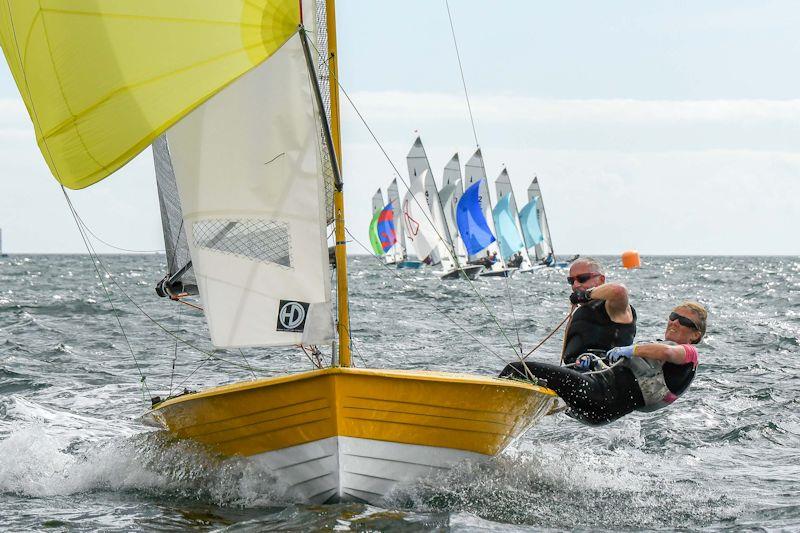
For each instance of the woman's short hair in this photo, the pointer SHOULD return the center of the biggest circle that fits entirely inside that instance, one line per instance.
(702, 315)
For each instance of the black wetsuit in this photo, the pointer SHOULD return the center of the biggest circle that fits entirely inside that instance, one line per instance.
(596, 398)
(601, 397)
(592, 329)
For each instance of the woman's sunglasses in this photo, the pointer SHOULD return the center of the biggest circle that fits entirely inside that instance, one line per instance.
(582, 278)
(682, 320)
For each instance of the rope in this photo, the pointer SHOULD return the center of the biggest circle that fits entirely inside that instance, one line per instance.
(513, 314)
(527, 373)
(95, 261)
(461, 70)
(141, 310)
(566, 332)
(248, 364)
(175, 356)
(568, 317)
(93, 234)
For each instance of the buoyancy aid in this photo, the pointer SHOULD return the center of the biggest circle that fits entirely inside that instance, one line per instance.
(592, 329)
(649, 374)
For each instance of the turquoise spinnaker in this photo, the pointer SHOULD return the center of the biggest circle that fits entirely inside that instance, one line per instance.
(507, 233)
(529, 218)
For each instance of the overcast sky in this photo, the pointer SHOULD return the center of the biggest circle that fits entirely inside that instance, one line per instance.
(669, 127)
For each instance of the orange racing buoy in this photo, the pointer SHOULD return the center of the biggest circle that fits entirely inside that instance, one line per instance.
(630, 259)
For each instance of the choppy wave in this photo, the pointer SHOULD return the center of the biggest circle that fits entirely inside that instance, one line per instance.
(73, 454)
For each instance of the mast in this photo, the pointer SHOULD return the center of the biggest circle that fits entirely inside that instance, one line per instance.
(342, 304)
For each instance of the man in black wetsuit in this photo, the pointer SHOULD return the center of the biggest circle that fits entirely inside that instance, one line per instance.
(604, 318)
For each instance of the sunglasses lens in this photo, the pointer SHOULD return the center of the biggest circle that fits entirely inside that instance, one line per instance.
(682, 320)
(581, 278)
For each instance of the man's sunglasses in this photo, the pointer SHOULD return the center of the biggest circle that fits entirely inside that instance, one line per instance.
(582, 278)
(683, 321)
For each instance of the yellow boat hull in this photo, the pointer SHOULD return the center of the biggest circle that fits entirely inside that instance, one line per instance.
(355, 433)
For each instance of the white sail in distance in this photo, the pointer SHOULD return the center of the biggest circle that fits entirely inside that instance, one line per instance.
(420, 227)
(452, 190)
(417, 161)
(546, 246)
(377, 201)
(258, 238)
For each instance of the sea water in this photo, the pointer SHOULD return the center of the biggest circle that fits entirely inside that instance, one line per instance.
(80, 356)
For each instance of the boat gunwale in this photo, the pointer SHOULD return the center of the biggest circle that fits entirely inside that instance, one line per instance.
(416, 375)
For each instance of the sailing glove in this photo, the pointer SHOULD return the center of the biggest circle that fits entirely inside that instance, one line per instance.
(615, 354)
(579, 297)
(584, 362)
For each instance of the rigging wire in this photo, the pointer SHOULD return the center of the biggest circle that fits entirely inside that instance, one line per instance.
(248, 364)
(461, 69)
(211, 355)
(448, 317)
(391, 163)
(175, 356)
(475, 134)
(95, 261)
(86, 227)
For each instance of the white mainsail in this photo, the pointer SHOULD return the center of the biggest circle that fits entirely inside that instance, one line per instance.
(377, 201)
(419, 222)
(249, 171)
(452, 190)
(474, 171)
(503, 188)
(544, 248)
(418, 164)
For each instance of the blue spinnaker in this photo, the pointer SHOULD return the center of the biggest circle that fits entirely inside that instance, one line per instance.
(471, 223)
(529, 218)
(507, 233)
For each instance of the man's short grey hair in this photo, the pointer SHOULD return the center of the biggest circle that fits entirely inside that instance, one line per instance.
(592, 262)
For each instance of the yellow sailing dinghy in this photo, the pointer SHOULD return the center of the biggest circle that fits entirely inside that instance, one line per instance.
(235, 96)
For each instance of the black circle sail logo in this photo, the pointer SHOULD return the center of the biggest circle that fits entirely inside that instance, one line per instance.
(292, 315)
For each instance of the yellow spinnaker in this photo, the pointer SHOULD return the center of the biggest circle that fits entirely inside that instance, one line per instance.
(102, 78)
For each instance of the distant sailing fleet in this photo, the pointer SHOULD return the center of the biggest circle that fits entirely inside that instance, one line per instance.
(456, 227)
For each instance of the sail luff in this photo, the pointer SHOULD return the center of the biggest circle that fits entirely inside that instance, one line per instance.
(343, 311)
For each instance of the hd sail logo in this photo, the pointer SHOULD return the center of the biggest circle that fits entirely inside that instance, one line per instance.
(292, 316)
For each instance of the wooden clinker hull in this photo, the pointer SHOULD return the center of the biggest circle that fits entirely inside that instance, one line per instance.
(346, 433)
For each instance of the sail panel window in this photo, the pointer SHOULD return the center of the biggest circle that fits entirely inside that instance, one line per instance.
(258, 239)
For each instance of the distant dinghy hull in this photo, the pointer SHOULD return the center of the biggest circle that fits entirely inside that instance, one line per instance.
(355, 434)
(465, 272)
